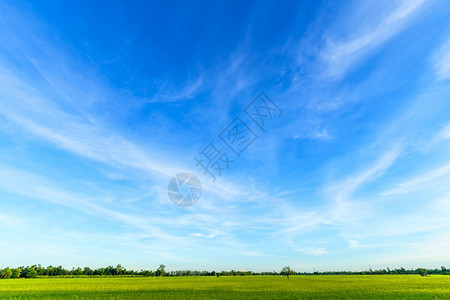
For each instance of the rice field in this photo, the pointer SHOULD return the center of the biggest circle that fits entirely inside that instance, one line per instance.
(239, 287)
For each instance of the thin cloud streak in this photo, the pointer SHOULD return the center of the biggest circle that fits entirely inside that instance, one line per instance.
(433, 177)
(339, 56)
(189, 91)
(442, 62)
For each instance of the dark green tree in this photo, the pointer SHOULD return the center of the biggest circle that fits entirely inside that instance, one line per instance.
(422, 271)
(161, 271)
(32, 273)
(16, 273)
(287, 271)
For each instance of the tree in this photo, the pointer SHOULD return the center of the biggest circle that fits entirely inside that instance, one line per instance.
(161, 271)
(16, 273)
(287, 271)
(77, 271)
(6, 273)
(32, 273)
(88, 271)
(120, 270)
(422, 271)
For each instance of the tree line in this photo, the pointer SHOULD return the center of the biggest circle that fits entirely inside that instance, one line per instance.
(401, 271)
(51, 271)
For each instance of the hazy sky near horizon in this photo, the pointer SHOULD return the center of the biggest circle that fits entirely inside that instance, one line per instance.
(102, 103)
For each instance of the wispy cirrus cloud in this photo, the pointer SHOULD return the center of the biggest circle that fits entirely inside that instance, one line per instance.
(433, 179)
(340, 55)
(181, 228)
(68, 131)
(62, 102)
(39, 188)
(441, 61)
(342, 191)
(187, 92)
(43, 104)
(45, 117)
(444, 134)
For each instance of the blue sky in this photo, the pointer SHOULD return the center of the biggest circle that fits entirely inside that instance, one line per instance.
(102, 103)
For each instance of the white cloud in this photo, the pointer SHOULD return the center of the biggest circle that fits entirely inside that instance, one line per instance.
(313, 250)
(429, 251)
(427, 180)
(165, 229)
(187, 92)
(442, 62)
(202, 235)
(344, 190)
(340, 55)
(71, 132)
(36, 187)
(25, 104)
(444, 134)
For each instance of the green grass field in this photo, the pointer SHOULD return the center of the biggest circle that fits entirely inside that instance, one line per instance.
(251, 287)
